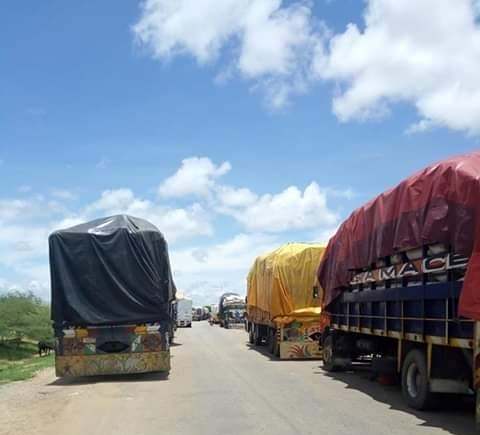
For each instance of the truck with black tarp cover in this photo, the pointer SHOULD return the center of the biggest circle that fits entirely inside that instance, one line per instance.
(402, 284)
(112, 291)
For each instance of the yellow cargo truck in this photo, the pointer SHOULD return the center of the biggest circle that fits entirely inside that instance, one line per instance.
(284, 301)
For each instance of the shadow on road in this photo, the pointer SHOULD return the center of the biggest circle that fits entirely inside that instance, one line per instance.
(134, 377)
(454, 414)
(263, 350)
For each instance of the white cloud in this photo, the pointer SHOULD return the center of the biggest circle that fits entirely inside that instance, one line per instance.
(196, 27)
(39, 288)
(202, 268)
(68, 221)
(20, 243)
(233, 255)
(232, 197)
(183, 223)
(420, 127)
(12, 208)
(175, 223)
(196, 176)
(204, 273)
(24, 189)
(423, 53)
(27, 209)
(290, 209)
(324, 235)
(273, 34)
(118, 201)
(63, 194)
(272, 42)
(426, 53)
(27, 223)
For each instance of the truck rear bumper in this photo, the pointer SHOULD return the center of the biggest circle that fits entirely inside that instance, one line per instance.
(112, 364)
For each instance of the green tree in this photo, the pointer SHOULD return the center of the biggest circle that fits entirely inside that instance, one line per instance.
(22, 314)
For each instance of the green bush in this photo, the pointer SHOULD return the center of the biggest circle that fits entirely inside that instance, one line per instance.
(23, 315)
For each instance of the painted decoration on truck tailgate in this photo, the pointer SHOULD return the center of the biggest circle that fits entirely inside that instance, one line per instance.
(70, 346)
(300, 350)
(300, 340)
(98, 351)
(112, 364)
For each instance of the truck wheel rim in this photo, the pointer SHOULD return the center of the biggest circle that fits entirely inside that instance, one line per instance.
(413, 380)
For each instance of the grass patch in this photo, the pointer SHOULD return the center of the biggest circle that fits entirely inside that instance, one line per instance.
(21, 362)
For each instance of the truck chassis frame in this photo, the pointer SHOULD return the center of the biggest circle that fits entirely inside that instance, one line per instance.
(401, 327)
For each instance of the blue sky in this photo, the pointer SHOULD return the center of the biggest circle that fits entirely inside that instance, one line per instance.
(101, 102)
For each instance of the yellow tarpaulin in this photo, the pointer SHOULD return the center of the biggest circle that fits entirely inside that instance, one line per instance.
(281, 284)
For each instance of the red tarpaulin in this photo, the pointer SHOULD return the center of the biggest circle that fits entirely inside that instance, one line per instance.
(440, 204)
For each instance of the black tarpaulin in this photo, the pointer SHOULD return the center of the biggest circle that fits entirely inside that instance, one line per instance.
(113, 270)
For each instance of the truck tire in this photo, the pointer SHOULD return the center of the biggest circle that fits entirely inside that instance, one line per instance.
(270, 341)
(257, 339)
(329, 355)
(250, 336)
(415, 382)
(273, 344)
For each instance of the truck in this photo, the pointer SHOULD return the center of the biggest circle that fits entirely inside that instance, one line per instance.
(213, 314)
(197, 314)
(231, 310)
(111, 297)
(402, 278)
(284, 301)
(184, 312)
(207, 311)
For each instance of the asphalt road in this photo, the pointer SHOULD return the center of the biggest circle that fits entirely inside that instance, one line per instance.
(219, 385)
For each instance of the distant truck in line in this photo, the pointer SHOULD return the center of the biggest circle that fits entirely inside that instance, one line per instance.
(199, 313)
(402, 283)
(184, 312)
(231, 311)
(214, 314)
(284, 301)
(112, 290)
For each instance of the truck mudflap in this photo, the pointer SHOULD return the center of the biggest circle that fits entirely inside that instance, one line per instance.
(112, 364)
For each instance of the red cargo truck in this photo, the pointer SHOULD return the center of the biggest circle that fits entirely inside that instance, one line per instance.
(402, 283)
